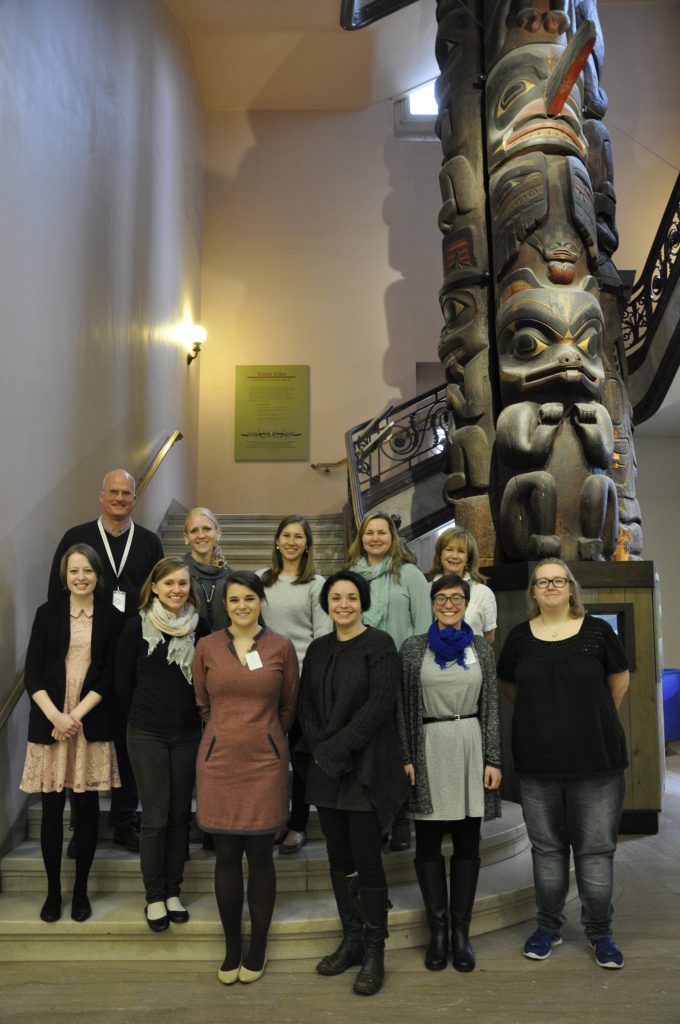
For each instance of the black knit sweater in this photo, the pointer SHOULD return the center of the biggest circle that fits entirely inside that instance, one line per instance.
(348, 694)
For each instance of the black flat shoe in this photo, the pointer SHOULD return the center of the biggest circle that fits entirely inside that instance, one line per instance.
(160, 924)
(51, 909)
(287, 848)
(178, 916)
(81, 909)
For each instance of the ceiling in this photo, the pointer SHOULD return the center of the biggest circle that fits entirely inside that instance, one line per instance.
(293, 55)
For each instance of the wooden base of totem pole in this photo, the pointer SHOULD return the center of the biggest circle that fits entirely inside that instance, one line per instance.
(629, 592)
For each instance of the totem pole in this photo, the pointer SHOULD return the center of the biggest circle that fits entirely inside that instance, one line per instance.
(541, 461)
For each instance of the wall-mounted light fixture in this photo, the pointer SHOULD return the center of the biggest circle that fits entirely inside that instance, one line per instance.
(195, 336)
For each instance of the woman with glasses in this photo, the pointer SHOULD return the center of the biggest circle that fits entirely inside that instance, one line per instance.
(456, 552)
(566, 673)
(450, 735)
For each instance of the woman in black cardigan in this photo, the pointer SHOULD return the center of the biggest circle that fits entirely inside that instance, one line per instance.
(68, 675)
(355, 778)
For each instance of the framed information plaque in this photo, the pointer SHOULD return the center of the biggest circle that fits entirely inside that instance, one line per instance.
(272, 414)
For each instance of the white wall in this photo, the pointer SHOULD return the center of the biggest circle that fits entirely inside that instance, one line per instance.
(659, 496)
(100, 206)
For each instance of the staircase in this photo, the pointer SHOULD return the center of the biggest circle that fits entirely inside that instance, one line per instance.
(247, 540)
(305, 921)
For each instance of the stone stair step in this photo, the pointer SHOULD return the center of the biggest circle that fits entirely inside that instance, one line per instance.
(115, 870)
(247, 540)
(305, 924)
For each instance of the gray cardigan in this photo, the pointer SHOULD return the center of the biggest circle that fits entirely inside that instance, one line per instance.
(410, 721)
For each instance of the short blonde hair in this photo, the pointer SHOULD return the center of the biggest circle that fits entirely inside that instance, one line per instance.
(448, 537)
(576, 609)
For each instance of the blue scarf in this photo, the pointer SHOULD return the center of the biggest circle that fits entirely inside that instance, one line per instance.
(449, 644)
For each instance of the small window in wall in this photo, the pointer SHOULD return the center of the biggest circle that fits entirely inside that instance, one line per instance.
(416, 112)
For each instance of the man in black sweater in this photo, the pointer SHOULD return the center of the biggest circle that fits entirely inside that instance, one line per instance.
(128, 553)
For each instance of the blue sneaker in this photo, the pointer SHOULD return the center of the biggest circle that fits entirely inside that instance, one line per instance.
(539, 946)
(607, 953)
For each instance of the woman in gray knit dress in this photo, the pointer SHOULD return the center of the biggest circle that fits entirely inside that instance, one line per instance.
(449, 729)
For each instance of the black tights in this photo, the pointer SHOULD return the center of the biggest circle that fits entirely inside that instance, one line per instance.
(259, 851)
(52, 837)
(353, 840)
(464, 832)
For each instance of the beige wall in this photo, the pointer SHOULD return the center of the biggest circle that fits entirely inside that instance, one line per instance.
(642, 81)
(321, 247)
(659, 495)
(100, 206)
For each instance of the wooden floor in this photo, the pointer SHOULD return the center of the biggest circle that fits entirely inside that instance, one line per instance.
(506, 988)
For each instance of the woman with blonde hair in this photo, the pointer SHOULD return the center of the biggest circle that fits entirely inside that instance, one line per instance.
(207, 564)
(400, 602)
(154, 680)
(456, 552)
(566, 673)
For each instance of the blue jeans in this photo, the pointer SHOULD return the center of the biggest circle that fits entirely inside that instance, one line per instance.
(583, 814)
(165, 769)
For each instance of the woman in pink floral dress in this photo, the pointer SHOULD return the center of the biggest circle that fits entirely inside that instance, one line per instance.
(68, 675)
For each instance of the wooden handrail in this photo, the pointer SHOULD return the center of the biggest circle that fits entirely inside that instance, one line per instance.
(12, 701)
(172, 439)
(326, 467)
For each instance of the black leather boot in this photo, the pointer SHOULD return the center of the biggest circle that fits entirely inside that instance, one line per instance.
(464, 875)
(431, 876)
(374, 909)
(351, 950)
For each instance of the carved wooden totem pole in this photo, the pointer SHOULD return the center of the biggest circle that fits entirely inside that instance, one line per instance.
(541, 461)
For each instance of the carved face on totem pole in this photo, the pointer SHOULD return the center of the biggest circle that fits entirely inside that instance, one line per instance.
(533, 104)
(549, 341)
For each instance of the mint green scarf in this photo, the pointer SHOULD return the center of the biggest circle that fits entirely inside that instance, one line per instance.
(379, 577)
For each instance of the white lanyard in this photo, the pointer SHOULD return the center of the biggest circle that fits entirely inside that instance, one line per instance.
(107, 546)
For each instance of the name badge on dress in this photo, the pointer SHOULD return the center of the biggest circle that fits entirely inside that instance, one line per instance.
(470, 656)
(119, 600)
(253, 660)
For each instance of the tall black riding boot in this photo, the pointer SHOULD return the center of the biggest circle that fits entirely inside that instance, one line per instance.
(351, 950)
(431, 876)
(374, 909)
(464, 875)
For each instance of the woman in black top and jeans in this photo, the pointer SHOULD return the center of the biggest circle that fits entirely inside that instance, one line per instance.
(566, 673)
(349, 685)
(153, 679)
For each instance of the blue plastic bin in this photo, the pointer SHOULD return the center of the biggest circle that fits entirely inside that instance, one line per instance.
(671, 703)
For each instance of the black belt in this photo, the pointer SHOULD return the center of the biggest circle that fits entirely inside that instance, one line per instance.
(449, 718)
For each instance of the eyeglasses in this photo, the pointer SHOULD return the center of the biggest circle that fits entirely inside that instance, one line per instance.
(558, 582)
(441, 600)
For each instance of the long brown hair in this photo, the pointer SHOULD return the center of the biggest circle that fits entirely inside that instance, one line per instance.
(307, 567)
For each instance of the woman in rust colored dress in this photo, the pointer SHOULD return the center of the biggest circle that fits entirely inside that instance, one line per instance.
(246, 683)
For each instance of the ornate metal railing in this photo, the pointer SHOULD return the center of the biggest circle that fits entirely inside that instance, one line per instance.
(398, 443)
(651, 292)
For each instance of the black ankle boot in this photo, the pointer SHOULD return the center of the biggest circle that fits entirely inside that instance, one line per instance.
(351, 950)
(432, 881)
(464, 875)
(374, 909)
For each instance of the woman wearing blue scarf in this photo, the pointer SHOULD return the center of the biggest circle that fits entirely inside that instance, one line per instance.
(450, 735)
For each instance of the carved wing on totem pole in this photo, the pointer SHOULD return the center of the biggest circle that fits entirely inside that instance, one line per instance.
(541, 459)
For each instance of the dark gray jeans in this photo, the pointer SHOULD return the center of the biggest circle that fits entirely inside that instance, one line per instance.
(165, 770)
